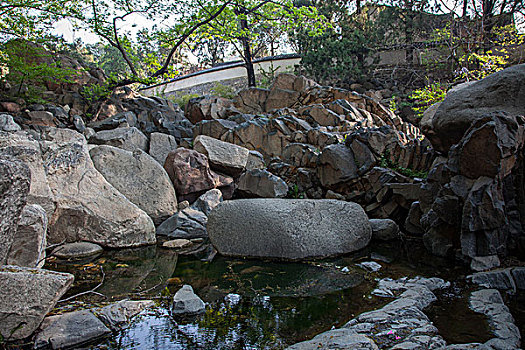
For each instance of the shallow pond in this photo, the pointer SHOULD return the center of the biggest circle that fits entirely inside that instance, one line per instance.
(252, 304)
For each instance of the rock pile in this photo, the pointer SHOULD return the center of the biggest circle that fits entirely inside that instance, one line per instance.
(472, 200)
(321, 141)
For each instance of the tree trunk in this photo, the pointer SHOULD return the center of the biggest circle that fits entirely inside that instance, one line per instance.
(358, 5)
(247, 55)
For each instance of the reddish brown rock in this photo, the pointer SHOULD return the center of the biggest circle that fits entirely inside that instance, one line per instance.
(190, 172)
(252, 100)
(10, 107)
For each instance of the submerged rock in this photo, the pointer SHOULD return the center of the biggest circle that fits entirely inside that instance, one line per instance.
(288, 229)
(69, 330)
(401, 324)
(26, 296)
(186, 302)
(177, 243)
(118, 315)
(77, 250)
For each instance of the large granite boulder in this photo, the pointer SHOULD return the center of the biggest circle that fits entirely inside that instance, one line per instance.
(26, 296)
(29, 244)
(223, 156)
(138, 177)
(27, 149)
(88, 208)
(288, 229)
(15, 178)
(501, 91)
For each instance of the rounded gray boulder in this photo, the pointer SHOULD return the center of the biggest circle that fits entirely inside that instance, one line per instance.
(288, 229)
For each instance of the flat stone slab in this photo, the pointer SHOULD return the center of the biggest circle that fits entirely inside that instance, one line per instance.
(177, 243)
(341, 339)
(77, 250)
(69, 330)
(118, 315)
(26, 296)
(288, 229)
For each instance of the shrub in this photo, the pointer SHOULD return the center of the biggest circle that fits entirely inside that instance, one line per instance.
(182, 100)
(224, 91)
(427, 96)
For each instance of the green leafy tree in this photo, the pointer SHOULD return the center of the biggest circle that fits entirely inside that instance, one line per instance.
(248, 24)
(30, 67)
(337, 56)
(30, 19)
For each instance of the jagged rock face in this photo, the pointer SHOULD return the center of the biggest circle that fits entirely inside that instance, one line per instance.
(152, 114)
(501, 91)
(319, 139)
(129, 139)
(472, 200)
(208, 107)
(15, 178)
(326, 227)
